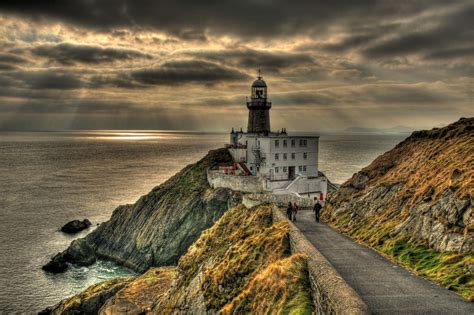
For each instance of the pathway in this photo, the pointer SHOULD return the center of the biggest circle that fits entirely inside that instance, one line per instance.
(385, 287)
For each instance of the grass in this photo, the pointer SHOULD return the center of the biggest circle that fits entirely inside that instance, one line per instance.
(145, 289)
(280, 288)
(450, 270)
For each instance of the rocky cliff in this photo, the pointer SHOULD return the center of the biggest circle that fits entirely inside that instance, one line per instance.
(415, 203)
(160, 226)
(242, 265)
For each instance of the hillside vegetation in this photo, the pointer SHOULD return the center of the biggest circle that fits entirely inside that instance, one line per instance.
(242, 262)
(415, 204)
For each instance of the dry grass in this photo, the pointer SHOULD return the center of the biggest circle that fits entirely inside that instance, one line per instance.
(281, 288)
(237, 251)
(147, 288)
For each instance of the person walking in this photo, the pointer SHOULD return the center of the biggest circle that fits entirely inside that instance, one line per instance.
(294, 211)
(317, 210)
(289, 211)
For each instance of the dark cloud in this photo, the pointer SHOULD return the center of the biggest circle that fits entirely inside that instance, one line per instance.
(253, 59)
(303, 98)
(187, 71)
(89, 106)
(9, 58)
(66, 53)
(349, 43)
(452, 30)
(7, 67)
(249, 18)
(47, 79)
(451, 53)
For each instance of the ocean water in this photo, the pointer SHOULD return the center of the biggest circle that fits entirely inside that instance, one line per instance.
(50, 178)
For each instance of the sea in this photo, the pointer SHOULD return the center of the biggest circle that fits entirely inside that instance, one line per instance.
(50, 178)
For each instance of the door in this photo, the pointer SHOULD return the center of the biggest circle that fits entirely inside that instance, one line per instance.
(291, 172)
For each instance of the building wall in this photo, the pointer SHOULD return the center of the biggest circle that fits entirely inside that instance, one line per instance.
(288, 155)
(238, 154)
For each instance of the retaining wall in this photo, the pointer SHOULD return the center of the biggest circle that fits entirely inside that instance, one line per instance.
(331, 294)
(282, 200)
(236, 183)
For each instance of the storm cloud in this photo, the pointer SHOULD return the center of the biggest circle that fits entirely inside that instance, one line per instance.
(183, 72)
(67, 53)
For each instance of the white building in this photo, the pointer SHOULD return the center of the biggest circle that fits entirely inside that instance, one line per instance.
(285, 163)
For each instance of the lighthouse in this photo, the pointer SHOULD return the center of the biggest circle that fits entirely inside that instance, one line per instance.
(266, 161)
(259, 108)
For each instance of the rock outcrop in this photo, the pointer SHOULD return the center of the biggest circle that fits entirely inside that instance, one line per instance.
(90, 300)
(76, 226)
(417, 197)
(160, 226)
(139, 296)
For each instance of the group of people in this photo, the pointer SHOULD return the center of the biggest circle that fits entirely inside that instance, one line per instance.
(293, 208)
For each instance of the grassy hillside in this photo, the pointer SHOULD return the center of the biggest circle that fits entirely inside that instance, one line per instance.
(231, 267)
(415, 204)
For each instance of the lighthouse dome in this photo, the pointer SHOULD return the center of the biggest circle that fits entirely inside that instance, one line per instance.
(259, 83)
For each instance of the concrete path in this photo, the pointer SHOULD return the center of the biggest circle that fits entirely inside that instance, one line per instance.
(385, 287)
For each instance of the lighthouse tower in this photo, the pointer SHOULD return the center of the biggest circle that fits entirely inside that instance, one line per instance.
(259, 108)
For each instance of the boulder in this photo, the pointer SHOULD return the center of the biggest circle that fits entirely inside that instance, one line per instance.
(56, 265)
(75, 226)
(79, 253)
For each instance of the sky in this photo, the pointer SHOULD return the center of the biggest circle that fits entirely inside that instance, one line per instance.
(188, 65)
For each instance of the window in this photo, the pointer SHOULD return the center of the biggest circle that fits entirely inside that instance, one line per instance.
(293, 142)
(277, 143)
(285, 143)
(304, 168)
(258, 168)
(284, 156)
(258, 142)
(305, 143)
(300, 168)
(277, 169)
(301, 142)
(277, 156)
(251, 168)
(293, 156)
(284, 169)
(305, 155)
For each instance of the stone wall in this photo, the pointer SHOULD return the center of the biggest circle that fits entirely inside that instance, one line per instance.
(251, 200)
(331, 294)
(252, 184)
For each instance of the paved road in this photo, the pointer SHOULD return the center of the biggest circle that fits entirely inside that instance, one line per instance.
(385, 287)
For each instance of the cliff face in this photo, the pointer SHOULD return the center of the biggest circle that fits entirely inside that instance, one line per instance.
(161, 225)
(417, 200)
